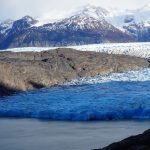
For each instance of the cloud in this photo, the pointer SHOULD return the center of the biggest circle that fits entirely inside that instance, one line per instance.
(15, 9)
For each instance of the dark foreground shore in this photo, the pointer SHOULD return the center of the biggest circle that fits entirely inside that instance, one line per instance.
(29, 70)
(139, 142)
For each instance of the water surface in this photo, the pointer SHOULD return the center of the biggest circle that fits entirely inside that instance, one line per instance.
(31, 134)
(111, 108)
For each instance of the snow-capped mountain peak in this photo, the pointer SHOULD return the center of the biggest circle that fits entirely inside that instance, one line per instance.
(131, 21)
(27, 20)
(23, 23)
(6, 22)
(88, 24)
(144, 8)
(86, 12)
(84, 18)
(91, 11)
(5, 26)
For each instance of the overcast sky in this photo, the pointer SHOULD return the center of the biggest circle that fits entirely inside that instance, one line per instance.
(15, 9)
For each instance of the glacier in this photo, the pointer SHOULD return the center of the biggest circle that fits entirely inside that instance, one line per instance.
(139, 75)
(121, 97)
(132, 49)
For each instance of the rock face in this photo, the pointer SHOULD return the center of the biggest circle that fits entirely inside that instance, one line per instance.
(139, 142)
(29, 70)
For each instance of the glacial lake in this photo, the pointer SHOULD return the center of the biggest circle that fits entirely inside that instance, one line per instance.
(31, 134)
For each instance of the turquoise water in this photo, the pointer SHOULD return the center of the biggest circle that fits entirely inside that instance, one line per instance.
(122, 100)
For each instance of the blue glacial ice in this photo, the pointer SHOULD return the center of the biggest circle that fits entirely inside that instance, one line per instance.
(120, 97)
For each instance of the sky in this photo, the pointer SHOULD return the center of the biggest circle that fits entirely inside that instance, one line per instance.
(15, 9)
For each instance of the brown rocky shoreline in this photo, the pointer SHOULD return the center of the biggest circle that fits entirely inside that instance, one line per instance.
(29, 70)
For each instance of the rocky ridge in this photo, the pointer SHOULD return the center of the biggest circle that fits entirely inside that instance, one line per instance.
(29, 70)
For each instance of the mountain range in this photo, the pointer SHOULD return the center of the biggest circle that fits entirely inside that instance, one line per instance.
(87, 25)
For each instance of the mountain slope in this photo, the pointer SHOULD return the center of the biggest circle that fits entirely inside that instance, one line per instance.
(86, 26)
(134, 22)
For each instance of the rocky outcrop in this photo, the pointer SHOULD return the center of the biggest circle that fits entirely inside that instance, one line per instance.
(28, 70)
(139, 142)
